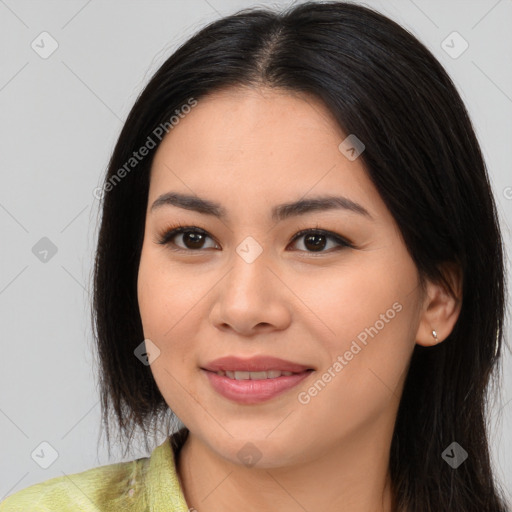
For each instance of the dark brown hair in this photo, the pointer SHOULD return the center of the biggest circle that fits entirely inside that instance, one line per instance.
(423, 157)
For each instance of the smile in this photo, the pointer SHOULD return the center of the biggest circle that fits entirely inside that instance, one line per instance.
(241, 375)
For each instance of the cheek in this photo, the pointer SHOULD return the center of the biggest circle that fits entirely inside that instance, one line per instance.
(166, 295)
(367, 318)
(172, 304)
(351, 298)
(150, 293)
(164, 301)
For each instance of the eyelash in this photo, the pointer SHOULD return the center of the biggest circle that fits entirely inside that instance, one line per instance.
(165, 237)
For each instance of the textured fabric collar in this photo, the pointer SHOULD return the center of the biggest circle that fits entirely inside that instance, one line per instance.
(164, 491)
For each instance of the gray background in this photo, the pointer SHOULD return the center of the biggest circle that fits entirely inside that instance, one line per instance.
(60, 118)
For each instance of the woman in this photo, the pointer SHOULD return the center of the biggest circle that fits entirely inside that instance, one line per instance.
(291, 267)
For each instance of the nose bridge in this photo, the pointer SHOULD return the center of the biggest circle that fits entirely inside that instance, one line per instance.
(249, 286)
(250, 262)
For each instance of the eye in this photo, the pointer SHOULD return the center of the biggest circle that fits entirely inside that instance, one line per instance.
(193, 238)
(316, 240)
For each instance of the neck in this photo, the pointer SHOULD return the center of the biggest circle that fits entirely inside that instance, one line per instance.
(351, 475)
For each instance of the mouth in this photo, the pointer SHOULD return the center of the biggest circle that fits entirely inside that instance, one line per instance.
(255, 380)
(255, 365)
(242, 375)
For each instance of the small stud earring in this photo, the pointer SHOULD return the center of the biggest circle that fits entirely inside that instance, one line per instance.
(434, 333)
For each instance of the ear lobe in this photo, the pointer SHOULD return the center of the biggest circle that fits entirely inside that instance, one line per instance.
(441, 307)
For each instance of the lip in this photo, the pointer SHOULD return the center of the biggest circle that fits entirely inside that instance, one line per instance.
(254, 391)
(249, 391)
(254, 364)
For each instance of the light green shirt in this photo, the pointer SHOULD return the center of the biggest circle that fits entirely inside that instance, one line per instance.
(148, 484)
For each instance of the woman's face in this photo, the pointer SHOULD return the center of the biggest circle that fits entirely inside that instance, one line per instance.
(249, 287)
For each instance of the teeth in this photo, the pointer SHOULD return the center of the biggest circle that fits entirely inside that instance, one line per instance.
(272, 374)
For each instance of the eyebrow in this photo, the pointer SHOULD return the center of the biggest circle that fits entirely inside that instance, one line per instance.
(278, 213)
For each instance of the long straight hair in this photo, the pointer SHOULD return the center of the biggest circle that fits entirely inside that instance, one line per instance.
(424, 159)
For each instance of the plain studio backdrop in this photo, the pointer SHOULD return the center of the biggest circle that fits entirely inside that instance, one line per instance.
(70, 72)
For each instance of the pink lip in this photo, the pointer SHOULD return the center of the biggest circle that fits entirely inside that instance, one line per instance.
(254, 364)
(254, 391)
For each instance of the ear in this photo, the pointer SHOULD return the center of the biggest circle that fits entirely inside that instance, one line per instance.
(440, 307)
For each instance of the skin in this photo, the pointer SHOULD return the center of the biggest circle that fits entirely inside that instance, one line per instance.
(251, 149)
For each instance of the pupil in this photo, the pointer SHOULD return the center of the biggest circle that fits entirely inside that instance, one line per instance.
(316, 245)
(193, 238)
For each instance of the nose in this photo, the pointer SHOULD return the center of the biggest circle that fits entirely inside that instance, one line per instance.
(251, 298)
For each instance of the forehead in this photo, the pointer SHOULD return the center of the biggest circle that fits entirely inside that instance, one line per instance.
(260, 124)
(243, 145)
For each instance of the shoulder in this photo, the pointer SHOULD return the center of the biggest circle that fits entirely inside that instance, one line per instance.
(110, 487)
(147, 483)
